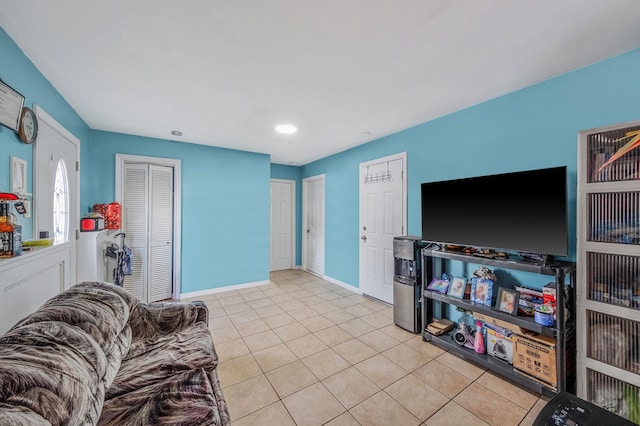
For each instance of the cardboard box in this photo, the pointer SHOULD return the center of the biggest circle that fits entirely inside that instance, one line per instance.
(495, 321)
(499, 346)
(536, 355)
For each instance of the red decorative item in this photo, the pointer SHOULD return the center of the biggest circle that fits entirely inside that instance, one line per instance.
(112, 214)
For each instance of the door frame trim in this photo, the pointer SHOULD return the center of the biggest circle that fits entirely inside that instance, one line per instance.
(405, 177)
(293, 217)
(121, 159)
(305, 197)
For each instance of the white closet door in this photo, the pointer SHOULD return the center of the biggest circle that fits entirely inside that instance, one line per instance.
(160, 233)
(135, 215)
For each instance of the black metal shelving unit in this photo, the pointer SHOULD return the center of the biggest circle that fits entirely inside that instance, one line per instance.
(434, 263)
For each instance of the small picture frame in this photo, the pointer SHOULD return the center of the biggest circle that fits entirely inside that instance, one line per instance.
(438, 285)
(481, 291)
(457, 287)
(18, 175)
(507, 301)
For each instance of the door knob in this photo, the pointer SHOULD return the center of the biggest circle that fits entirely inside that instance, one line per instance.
(363, 238)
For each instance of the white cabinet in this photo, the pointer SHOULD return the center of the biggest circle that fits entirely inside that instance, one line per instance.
(608, 283)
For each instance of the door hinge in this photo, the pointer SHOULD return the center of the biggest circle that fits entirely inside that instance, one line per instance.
(77, 234)
(77, 166)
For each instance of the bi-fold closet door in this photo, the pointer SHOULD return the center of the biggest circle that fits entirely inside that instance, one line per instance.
(148, 223)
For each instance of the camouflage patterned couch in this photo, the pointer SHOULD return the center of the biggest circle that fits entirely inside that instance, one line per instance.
(95, 355)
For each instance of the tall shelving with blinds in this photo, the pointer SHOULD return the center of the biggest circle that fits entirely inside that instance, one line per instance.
(608, 257)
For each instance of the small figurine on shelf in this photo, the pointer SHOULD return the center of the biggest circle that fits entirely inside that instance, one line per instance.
(478, 340)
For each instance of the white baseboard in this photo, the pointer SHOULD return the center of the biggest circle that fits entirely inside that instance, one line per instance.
(222, 289)
(342, 284)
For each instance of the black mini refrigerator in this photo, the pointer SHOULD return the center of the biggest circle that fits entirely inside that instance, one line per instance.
(407, 276)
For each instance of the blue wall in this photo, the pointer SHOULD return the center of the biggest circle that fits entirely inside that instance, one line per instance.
(279, 171)
(17, 71)
(225, 205)
(532, 128)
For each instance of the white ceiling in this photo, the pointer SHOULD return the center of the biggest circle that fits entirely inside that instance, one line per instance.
(345, 71)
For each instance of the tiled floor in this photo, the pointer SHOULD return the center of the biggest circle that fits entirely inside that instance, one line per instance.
(302, 351)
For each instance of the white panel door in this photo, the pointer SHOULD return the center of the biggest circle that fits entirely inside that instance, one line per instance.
(160, 232)
(314, 221)
(382, 217)
(282, 224)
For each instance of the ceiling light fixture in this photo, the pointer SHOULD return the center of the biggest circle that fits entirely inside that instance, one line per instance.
(176, 133)
(286, 128)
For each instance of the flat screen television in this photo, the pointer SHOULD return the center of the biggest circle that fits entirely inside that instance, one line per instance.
(523, 211)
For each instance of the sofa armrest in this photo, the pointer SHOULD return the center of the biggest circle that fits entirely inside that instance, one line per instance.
(151, 319)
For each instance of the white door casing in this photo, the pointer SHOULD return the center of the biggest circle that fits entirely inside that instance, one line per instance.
(313, 224)
(282, 224)
(54, 144)
(152, 207)
(383, 213)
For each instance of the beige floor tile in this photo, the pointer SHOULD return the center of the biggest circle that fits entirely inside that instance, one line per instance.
(326, 363)
(376, 320)
(357, 327)
(273, 292)
(291, 378)
(242, 317)
(306, 345)
(251, 395)
(316, 323)
(358, 310)
(274, 414)
(254, 295)
(263, 340)
(302, 313)
(387, 312)
(427, 348)
(300, 294)
(338, 316)
(376, 306)
(224, 335)
(442, 378)
(237, 308)
(231, 349)
(216, 312)
(282, 298)
(238, 370)
(354, 351)
(513, 393)
(379, 341)
(528, 419)
(417, 397)
(261, 303)
(274, 357)
(344, 419)
(489, 406)
(220, 322)
(333, 335)
(279, 320)
(380, 370)
(252, 327)
(382, 410)
(268, 311)
(329, 295)
(466, 368)
(291, 304)
(324, 307)
(406, 357)
(539, 405)
(313, 406)
(454, 415)
(350, 387)
(291, 331)
(231, 300)
(397, 333)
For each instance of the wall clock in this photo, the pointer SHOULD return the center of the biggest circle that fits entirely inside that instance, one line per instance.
(28, 128)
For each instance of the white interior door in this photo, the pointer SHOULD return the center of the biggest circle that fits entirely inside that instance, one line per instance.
(56, 156)
(313, 189)
(282, 224)
(148, 211)
(382, 217)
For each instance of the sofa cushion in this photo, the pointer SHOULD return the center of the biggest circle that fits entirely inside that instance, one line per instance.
(152, 360)
(53, 369)
(185, 398)
(17, 415)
